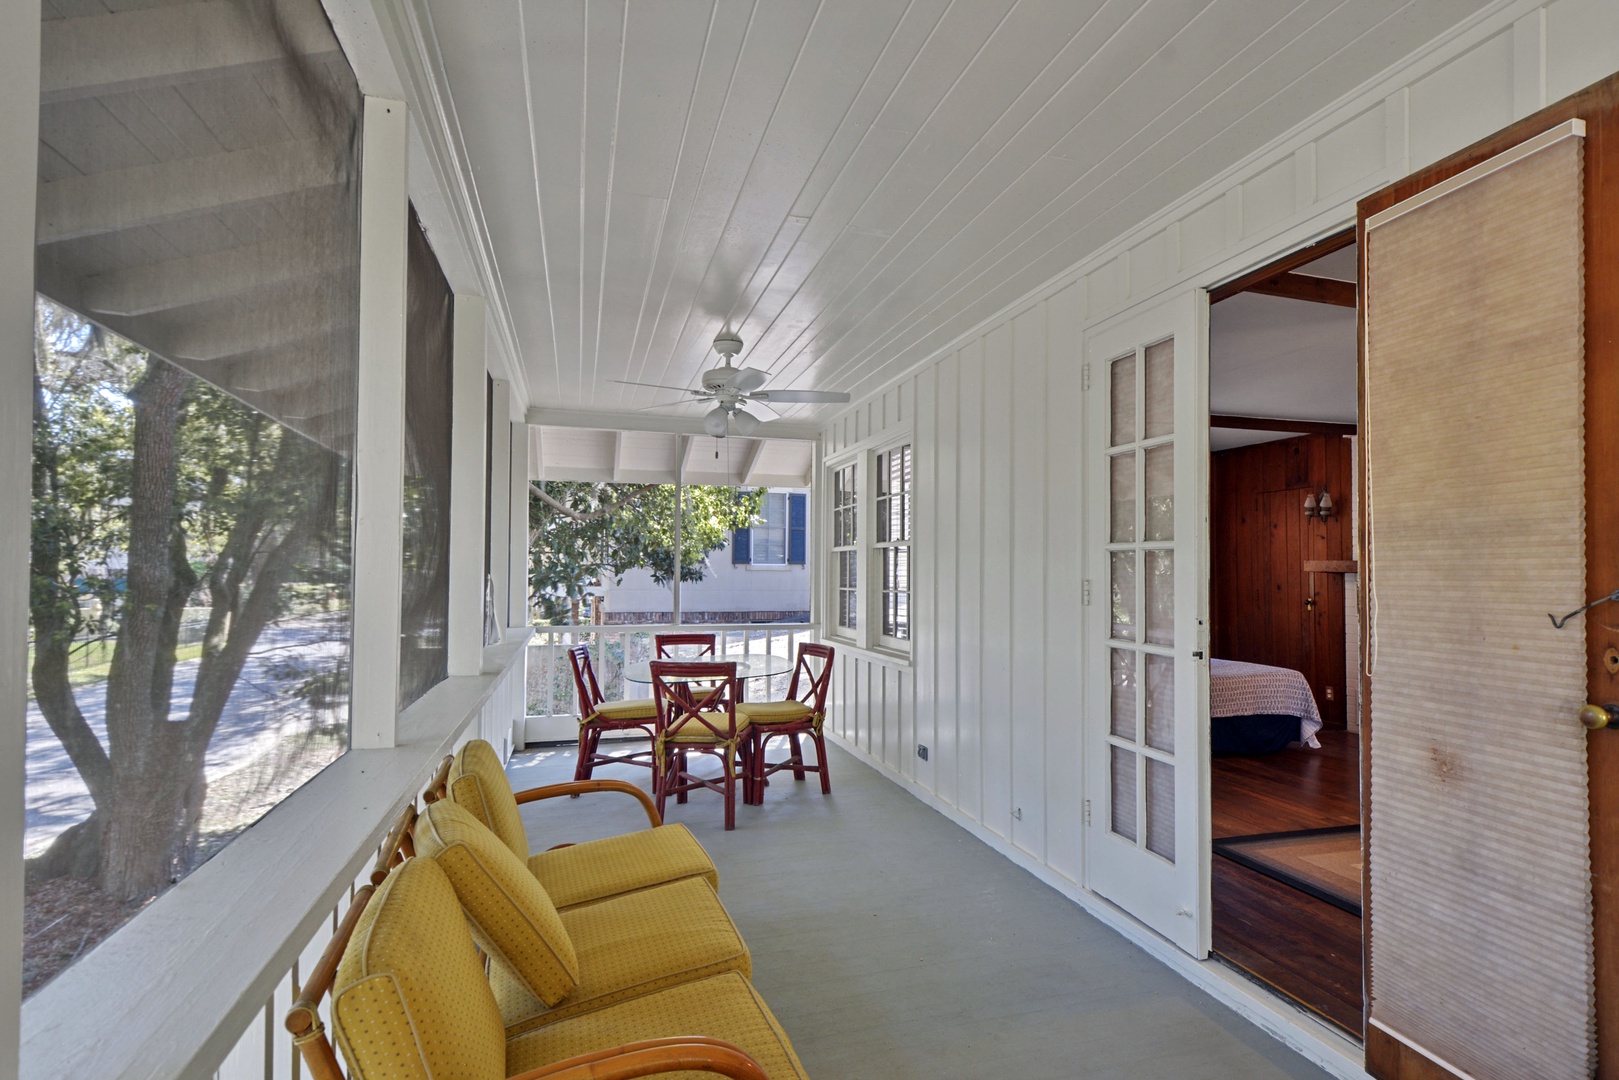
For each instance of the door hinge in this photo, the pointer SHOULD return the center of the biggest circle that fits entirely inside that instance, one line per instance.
(1085, 377)
(1087, 811)
(1085, 593)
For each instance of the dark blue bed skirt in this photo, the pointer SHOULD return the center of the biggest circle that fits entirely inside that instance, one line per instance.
(1258, 733)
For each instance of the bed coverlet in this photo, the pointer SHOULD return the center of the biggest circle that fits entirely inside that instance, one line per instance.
(1238, 688)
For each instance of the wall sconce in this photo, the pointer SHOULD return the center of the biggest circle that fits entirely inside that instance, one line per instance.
(1318, 506)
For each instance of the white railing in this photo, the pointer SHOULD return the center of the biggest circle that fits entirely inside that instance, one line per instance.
(551, 696)
(229, 948)
(265, 1051)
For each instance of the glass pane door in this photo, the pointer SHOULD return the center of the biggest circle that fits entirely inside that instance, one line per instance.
(1148, 456)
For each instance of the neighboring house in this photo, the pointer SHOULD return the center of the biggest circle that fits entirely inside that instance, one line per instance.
(762, 575)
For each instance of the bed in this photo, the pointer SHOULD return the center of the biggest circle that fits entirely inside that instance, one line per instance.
(1258, 709)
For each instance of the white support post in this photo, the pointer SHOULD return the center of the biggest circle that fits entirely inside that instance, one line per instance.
(379, 443)
(467, 450)
(19, 156)
(500, 523)
(517, 613)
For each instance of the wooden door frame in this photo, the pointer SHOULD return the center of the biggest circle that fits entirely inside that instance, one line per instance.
(1598, 105)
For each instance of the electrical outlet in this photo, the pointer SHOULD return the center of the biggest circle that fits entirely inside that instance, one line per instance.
(1332, 693)
(922, 751)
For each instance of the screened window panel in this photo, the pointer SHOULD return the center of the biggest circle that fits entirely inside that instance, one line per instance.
(197, 265)
(1124, 694)
(425, 585)
(1481, 937)
(1123, 809)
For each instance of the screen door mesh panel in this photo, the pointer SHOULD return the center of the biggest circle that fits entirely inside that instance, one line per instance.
(1481, 949)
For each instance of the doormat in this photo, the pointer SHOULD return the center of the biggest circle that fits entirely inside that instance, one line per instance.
(1325, 863)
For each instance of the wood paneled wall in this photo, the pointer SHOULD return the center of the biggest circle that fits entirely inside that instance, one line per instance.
(1259, 541)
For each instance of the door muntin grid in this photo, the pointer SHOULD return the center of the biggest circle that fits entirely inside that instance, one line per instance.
(1141, 559)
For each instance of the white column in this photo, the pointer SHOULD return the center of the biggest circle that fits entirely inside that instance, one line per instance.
(517, 613)
(19, 157)
(467, 450)
(379, 443)
(500, 521)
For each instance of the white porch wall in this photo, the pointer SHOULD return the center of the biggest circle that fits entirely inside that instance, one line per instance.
(993, 687)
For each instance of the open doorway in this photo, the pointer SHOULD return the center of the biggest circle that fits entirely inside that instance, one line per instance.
(1284, 673)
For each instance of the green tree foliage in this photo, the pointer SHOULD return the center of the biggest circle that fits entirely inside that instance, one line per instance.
(153, 492)
(585, 534)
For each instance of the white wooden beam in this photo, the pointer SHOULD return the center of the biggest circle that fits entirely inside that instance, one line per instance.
(150, 194)
(750, 464)
(143, 289)
(468, 448)
(687, 448)
(517, 613)
(379, 446)
(500, 466)
(96, 55)
(618, 457)
(19, 155)
(677, 425)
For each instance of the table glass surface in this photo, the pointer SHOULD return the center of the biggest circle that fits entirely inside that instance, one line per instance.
(755, 666)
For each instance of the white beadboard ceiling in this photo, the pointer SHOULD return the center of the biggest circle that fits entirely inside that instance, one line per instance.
(850, 183)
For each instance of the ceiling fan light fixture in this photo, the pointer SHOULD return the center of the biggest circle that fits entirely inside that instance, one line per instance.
(746, 422)
(714, 422)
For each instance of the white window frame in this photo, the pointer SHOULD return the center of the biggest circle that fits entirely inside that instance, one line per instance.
(880, 545)
(868, 551)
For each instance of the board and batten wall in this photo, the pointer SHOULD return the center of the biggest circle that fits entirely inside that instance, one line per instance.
(993, 684)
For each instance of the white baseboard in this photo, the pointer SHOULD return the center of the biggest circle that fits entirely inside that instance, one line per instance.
(1281, 1019)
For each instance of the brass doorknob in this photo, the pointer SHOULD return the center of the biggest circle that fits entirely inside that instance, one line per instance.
(1599, 716)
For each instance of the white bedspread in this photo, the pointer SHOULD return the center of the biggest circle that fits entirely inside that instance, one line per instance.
(1237, 688)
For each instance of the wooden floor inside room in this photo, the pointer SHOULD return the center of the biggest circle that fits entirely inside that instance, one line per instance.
(1305, 948)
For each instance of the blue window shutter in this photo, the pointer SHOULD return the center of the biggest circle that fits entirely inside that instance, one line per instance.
(797, 528)
(741, 547)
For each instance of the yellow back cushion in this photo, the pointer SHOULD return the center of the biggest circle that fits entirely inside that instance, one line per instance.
(512, 918)
(478, 782)
(410, 998)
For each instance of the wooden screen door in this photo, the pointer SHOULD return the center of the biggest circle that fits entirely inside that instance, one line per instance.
(1146, 741)
(1399, 1048)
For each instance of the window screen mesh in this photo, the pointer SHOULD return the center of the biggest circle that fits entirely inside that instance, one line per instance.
(197, 264)
(424, 614)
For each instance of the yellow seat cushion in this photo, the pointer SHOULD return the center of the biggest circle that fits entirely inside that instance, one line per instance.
(633, 709)
(602, 869)
(629, 946)
(478, 782)
(691, 732)
(410, 999)
(720, 1007)
(774, 712)
(512, 917)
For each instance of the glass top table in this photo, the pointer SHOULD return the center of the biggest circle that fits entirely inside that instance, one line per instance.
(754, 666)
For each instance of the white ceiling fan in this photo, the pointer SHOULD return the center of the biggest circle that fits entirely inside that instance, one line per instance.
(731, 388)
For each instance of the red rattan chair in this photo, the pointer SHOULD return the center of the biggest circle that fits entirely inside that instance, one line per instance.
(597, 717)
(803, 713)
(697, 714)
(662, 643)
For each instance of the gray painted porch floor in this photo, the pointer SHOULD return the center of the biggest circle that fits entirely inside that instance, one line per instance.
(890, 943)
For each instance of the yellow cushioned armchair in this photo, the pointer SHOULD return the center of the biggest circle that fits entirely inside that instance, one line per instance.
(409, 1000)
(578, 873)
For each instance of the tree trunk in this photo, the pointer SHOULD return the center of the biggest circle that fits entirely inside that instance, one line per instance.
(141, 834)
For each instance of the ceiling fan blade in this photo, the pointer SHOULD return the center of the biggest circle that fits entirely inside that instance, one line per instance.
(802, 397)
(748, 380)
(660, 386)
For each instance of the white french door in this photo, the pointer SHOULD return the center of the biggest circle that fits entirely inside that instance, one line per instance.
(1146, 543)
